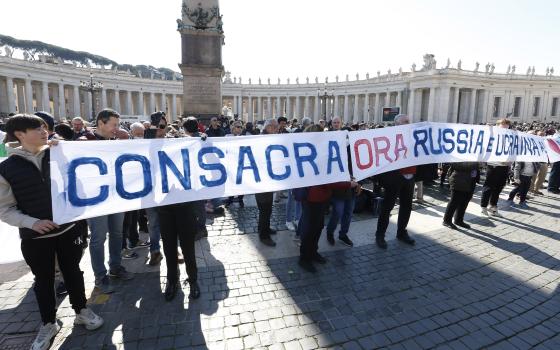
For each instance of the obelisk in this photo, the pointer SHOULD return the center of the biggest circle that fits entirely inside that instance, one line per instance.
(202, 38)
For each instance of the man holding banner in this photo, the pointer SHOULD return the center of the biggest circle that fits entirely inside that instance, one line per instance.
(397, 183)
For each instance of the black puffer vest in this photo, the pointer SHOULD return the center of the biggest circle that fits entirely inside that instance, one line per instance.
(31, 189)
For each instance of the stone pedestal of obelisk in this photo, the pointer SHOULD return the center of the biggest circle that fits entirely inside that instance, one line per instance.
(202, 38)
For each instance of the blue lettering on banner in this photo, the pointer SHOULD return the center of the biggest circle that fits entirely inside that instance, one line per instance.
(212, 167)
(334, 148)
(490, 144)
(271, 173)
(479, 142)
(470, 140)
(461, 142)
(246, 151)
(432, 148)
(146, 172)
(72, 182)
(499, 150)
(448, 141)
(166, 162)
(308, 158)
(420, 141)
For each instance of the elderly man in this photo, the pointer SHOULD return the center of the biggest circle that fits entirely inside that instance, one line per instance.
(80, 131)
(305, 122)
(137, 130)
(397, 183)
(264, 200)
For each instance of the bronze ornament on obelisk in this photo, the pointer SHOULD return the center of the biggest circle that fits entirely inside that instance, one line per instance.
(202, 38)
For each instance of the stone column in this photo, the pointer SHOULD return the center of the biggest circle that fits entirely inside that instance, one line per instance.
(10, 95)
(455, 111)
(174, 107)
(103, 98)
(250, 116)
(76, 105)
(89, 104)
(399, 99)
(279, 111)
(129, 102)
(46, 102)
(116, 101)
(328, 108)
(443, 114)
(298, 113)
(317, 111)
(431, 105)
(306, 107)
(259, 114)
(388, 99)
(411, 104)
(269, 107)
(356, 108)
(140, 109)
(20, 97)
(61, 102)
(485, 106)
(346, 109)
(336, 106)
(366, 108)
(28, 96)
(234, 106)
(472, 110)
(152, 103)
(376, 109)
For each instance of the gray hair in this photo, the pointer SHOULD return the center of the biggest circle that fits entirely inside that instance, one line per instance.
(305, 122)
(398, 118)
(137, 125)
(268, 122)
(75, 119)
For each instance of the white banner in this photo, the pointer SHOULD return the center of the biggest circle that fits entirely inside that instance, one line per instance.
(377, 151)
(553, 149)
(90, 179)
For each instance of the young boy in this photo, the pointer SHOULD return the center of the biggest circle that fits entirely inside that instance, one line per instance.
(25, 202)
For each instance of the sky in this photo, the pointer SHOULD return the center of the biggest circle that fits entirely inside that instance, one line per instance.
(305, 38)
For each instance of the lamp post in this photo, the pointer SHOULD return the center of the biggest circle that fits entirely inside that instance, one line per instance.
(324, 98)
(91, 87)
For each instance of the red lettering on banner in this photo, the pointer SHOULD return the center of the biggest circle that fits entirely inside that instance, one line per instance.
(381, 150)
(359, 163)
(400, 146)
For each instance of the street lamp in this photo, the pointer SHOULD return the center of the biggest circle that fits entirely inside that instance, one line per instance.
(324, 98)
(91, 86)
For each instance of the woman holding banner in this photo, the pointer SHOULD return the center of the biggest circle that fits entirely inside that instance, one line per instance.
(462, 181)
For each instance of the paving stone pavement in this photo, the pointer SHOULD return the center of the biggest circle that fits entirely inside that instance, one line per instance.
(494, 286)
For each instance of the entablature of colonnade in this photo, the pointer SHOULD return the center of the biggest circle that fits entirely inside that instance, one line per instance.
(71, 75)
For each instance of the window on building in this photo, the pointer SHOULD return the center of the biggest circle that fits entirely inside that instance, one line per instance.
(517, 106)
(536, 106)
(497, 104)
(554, 111)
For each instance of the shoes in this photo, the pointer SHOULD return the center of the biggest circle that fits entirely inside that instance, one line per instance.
(510, 202)
(121, 273)
(554, 191)
(494, 212)
(330, 238)
(484, 212)
(104, 285)
(201, 233)
(346, 241)
(268, 241)
(450, 225)
(538, 193)
(523, 205)
(61, 289)
(462, 224)
(46, 334)
(271, 231)
(307, 265)
(171, 288)
(139, 244)
(180, 258)
(155, 258)
(195, 290)
(318, 258)
(88, 319)
(381, 243)
(290, 226)
(405, 238)
(128, 254)
(219, 211)
(228, 202)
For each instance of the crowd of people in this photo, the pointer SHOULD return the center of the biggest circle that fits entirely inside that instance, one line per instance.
(48, 248)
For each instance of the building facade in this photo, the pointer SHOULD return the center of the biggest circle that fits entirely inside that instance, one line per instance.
(430, 94)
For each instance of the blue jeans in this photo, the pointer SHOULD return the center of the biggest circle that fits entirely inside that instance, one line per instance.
(293, 208)
(341, 210)
(99, 227)
(153, 227)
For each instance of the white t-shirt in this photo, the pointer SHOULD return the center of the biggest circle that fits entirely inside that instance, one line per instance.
(2, 135)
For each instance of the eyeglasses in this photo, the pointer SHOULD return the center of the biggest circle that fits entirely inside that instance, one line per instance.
(162, 126)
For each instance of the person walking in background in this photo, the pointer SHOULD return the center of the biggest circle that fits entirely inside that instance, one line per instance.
(463, 178)
(522, 174)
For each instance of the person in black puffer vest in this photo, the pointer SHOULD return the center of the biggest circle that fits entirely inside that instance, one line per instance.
(25, 202)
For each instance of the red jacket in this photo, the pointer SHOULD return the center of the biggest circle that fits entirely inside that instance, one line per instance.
(322, 193)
